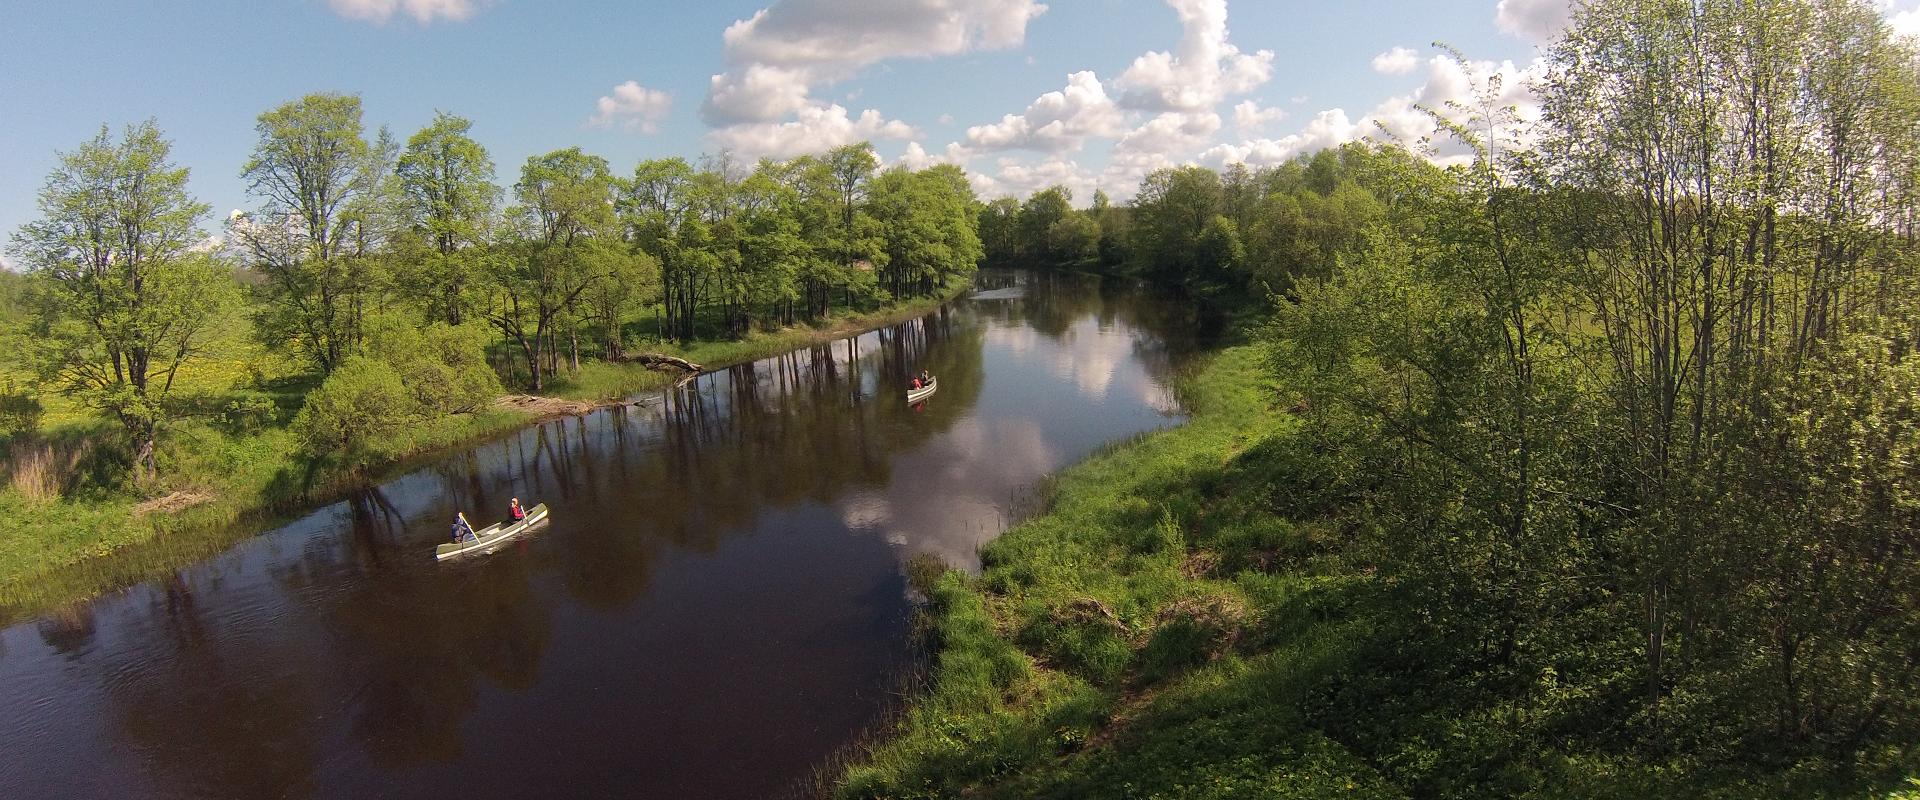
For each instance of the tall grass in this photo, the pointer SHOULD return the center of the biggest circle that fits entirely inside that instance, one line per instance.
(39, 472)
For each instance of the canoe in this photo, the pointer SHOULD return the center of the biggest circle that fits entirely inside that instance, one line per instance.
(492, 535)
(924, 392)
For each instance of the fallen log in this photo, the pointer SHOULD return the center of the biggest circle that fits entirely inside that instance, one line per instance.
(657, 360)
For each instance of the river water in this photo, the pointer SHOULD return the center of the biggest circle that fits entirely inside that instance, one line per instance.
(717, 608)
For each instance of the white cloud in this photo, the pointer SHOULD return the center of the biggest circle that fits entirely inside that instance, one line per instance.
(1201, 72)
(1168, 140)
(945, 119)
(1450, 89)
(1250, 119)
(1013, 177)
(917, 158)
(1398, 61)
(1905, 23)
(764, 104)
(755, 93)
(1328, 129)
(1055, 122)
(423, 11)
(634, 108)
(1536, 20)
(777, 56)
(814, 129)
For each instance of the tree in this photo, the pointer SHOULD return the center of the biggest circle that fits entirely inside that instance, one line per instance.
(127, 301)
(448, 197)
(928, 226)
(1037, 218)
(564, 221)
(313, 170)
(1175, 236)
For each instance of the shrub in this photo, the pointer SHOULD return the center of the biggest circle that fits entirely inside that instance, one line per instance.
(359, 414)
(19, 413)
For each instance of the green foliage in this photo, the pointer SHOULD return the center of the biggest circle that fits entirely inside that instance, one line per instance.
(122, 302)
(320, 183)
(360, 414)
(445, 366)
(19, 413)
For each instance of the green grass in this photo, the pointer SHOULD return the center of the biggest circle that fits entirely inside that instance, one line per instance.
(1160, 631)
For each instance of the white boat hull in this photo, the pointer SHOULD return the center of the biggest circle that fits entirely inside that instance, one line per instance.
(486, 538)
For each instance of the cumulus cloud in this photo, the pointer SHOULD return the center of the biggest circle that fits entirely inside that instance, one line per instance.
(1327, 129)
(763, 104)
(1014, 177)
(633, 107)
(917, 158)
(815, 128)
(1398, 61)
(1055, 122)
(1202, 71)
(422, 11)
(1251, 119)
(1167, 140)
(777, 56)
(1905, 23)
(1535, 20)
(1451, 89)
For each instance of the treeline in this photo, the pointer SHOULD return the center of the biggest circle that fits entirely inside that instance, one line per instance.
(410, 284)
(1600, 473)
(1225, 239)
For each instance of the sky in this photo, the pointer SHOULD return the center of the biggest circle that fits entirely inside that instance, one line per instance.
(1025, 94)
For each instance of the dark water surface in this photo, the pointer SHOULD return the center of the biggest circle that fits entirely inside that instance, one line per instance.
(718, 605)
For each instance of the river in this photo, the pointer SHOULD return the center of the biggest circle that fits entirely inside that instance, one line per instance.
(718, 607)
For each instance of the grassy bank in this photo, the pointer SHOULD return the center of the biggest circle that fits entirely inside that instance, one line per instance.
(240, 468)
(1160, 631)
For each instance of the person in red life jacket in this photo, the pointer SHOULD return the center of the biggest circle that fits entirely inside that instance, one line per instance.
(916, 383)
(516, 511)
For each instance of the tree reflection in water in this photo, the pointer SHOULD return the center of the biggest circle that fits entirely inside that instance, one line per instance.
(721, 584)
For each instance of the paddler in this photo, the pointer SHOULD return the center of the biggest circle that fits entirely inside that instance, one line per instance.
(462, 531)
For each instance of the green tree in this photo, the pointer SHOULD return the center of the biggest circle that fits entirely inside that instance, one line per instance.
(564, 220)
(314, 172)
(448, 198)
(126, 302)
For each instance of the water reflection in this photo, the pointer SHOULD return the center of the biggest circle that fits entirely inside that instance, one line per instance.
(717, 605)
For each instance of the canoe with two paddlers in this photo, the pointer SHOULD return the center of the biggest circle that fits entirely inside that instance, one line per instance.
(924, 392)
(492, 535)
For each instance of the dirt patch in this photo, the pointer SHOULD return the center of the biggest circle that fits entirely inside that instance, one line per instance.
(173, 503)
(545, 407)
(1200, 564)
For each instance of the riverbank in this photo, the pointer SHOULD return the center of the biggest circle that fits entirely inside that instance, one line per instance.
(242, 476)
(1161, 630)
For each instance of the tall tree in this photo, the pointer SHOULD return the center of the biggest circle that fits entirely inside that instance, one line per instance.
(313, 170)
(127, 301)
(448, 197)
(565, 230)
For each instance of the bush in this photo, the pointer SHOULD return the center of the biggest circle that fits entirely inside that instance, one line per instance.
(446, 369)
(19, 413)
(359, 414)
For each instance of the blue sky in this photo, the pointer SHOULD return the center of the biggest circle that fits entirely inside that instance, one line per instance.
(1091, 93)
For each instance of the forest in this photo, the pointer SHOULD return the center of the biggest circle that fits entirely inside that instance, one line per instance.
(164, 372)
(1584, 465)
